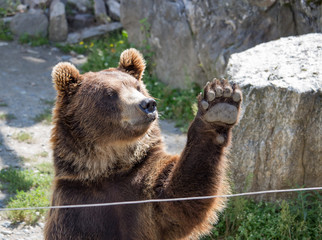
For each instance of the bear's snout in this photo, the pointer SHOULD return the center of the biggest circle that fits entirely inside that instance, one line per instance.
(148, 105)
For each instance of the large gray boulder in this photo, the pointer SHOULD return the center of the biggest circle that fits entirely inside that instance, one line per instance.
(58, 27)
(278, 142)
(192, 40)
(33, 23)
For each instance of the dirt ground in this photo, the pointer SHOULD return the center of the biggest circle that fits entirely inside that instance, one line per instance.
(26, 92)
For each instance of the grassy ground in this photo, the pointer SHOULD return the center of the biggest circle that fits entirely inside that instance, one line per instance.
(299, 218)
(28, 188)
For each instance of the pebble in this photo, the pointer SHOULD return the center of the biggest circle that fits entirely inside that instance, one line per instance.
(42, 225)
(65, 57)
(6, 224)
(6, 232)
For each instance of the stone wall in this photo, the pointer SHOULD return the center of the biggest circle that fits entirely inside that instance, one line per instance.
(278, 142)
(62, 20)
(193, 39)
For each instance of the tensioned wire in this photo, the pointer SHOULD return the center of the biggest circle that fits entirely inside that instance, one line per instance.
(164, 200)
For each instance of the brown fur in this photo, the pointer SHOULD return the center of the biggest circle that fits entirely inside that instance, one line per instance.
(106, 149)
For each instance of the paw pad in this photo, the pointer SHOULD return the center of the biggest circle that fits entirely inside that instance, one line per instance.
(222, 112)
(220, 104)
(227, 91)
(204, 104)
(220, 139)
(219, 91)
(237, 95)
(211, 95)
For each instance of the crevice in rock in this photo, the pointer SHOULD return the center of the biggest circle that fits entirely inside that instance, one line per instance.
(309, 113)
(294, 20)
(302, 160)
(193, 37)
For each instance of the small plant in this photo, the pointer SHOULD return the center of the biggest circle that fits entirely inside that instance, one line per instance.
(23, 137)
(48, 102)
(292, 219)
(316, 2)
(5, 33)
(29, 189)
(33, 40)
(26, 159)
(67, 48)
(43, 154)
(46, 168)
(45, 117)
(16, 179)
(7, 117)
(37, 197)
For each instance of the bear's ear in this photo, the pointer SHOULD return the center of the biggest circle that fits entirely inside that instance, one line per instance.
(132, 62)
(66, 78)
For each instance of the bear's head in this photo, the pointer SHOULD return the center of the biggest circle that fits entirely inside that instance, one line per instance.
(112, 105)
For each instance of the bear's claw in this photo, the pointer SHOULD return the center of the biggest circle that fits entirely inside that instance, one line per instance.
(220, 103)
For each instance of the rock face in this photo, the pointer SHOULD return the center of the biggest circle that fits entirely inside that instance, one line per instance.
(81, 20)
(278, 142)
(58, 27)
(32, 23)
(81, 5)
(3, 3)
(100, 11)
(93, 31)
(113, 9)
(197, 37)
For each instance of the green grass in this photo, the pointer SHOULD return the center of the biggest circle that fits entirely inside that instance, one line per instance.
(7, 117)
(33, 40)
(3, 104)
(29, 189)
(16, 180)
(23, 137)
(43, 154)
(299, 218)
(175, 104)
(46, 168)
(48, 102)
(37, 197)
(5, 33)
(45, 117)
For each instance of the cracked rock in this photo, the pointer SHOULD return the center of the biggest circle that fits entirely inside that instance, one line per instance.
(277, 144)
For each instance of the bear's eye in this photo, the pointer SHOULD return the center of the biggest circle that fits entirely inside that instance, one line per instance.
(138, 87)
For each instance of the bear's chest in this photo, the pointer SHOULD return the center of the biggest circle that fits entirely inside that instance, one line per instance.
(112, 222)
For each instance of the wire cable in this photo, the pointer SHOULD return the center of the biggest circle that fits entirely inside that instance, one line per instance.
(163, 200)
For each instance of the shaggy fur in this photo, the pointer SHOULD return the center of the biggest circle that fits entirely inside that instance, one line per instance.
(107, 149)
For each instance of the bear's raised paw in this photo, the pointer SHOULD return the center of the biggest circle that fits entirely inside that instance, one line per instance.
(220, 103)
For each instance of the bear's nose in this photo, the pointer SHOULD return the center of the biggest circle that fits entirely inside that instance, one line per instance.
(148, 105)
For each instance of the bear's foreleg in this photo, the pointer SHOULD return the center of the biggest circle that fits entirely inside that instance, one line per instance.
(201, 168)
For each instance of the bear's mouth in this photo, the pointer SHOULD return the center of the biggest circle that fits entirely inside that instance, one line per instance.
(148, 118)
(142, 121)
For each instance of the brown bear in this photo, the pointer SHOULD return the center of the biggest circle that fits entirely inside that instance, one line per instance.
(107, 147)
